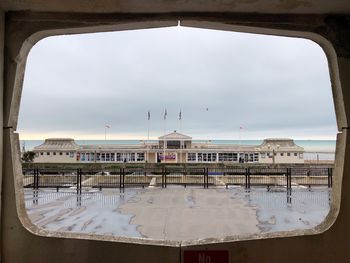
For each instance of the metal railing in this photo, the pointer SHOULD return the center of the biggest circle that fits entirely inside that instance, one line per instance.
(185, 176)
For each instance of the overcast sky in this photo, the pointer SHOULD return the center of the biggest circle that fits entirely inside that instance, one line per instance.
(271, 86)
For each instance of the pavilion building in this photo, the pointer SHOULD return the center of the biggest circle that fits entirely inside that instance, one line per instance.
(170, 148)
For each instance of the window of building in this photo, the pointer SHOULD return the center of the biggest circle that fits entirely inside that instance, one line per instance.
(71, 154)
(228, 157)
(61, 153)
(207, 157)
(191, 157)
(48, 153)
(140, 157)
(288, 154)
(199, 157)
(256, 157)
(282, 154)
(41, 153)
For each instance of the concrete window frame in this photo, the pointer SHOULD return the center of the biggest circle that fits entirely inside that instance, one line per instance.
(23, 30)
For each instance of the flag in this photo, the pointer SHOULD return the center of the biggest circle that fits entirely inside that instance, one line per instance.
(180, 115)
(241, 127)
(149, 115)
(108, 126)
(165, 114)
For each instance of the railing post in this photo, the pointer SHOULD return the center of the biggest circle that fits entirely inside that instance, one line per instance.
(35, 183)
(331, 169)
(77, 181)
(34, 178)
(185, 179)
(123, 177)
(204, 177)
(289, 185)
(37, 179)
(248, 176)
(79, 173)
(120, 178)
(165, 177)
(289, 176)
(80, 179)
(330, 179)
(207, 174)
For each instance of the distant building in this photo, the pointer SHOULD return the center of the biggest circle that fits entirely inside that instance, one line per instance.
(170, 148)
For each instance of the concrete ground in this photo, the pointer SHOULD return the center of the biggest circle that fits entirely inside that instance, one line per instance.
(190, 213)
(177, 213)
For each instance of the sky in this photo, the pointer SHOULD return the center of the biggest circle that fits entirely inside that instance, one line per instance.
(227, 85)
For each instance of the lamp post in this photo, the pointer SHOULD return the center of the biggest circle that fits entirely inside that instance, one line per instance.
(274, 153)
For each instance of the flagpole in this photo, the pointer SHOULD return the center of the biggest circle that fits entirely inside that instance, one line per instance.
(181, 142)
(149, 118)
(148, 132)
(240, 143)
(239, 147)
(165, 115)
(107, 126)
(180, 118)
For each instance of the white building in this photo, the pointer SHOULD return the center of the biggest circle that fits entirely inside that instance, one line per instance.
(170, 148)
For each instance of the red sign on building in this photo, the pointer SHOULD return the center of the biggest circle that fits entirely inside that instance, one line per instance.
(205, 256)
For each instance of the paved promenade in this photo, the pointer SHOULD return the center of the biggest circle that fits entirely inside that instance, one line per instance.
(191, 213)
(177, 213)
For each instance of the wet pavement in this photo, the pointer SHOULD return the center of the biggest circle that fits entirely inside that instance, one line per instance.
(177, 213)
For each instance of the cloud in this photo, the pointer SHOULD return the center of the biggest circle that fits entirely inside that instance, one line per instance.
(274, 86)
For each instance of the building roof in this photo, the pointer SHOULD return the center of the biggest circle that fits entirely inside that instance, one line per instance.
(279, 144)
(58, 144)
(111, 147)
(175, 136)
(268, 145)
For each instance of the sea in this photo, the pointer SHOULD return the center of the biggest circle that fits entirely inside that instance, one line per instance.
(314, 149)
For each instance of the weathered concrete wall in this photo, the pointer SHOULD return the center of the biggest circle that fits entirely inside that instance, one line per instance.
(136, 6)
(2, 43)
(23, 242)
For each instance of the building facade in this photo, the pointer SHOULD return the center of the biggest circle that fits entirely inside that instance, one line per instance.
(170, 148)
